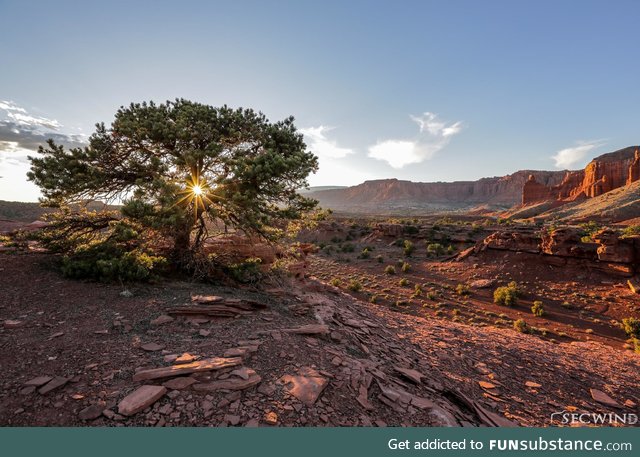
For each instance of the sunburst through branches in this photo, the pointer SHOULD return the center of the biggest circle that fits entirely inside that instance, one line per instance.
(196, 193)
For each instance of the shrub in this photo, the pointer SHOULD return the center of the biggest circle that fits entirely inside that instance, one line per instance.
(506, 295)
(335, 282)
(247, 271)
(408, 248)
(521, 326)
(410, 229)
(365, 254)
(431, 296)
(390, 270)
(631, 326)
(373, 299)
(588, 230)
(435, 249)
(405, 267)
(538, 308)
(451, 249)
(380, 259)
(110, 262)
(404, 282)
(354, 286)
(631, 231)
(347, 247)
(417, 291)
(462, 289)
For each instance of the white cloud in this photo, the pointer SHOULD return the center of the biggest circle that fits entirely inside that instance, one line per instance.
(322, 146)
(433, 136)
(20, 116)
(10, 106)
(566, 158)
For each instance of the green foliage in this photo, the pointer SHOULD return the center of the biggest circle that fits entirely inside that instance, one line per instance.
(632, 230)
(246, 272)
(390, 270)
(435, 249)
(379, 258)
(462, 289)
(410, 229)
(404, 282)
(538, 308)
(151, 155)
(588, 230)
(335, 282)
(365, 254)
(451, 249)
(408, 248)
(521, 326)
(631, 326)
(354, 285)
(405, 267)
(347, 247)
(506, 295)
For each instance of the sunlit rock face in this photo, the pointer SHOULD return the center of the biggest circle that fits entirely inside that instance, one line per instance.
(603, 174)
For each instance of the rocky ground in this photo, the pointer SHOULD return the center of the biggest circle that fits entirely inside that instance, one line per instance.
(297, 352)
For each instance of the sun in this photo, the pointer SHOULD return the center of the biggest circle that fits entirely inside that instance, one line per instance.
(197, 190)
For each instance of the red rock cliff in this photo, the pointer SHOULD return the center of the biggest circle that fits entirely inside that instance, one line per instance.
(601, 175)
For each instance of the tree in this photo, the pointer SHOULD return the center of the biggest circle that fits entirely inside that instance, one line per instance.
(178, 166)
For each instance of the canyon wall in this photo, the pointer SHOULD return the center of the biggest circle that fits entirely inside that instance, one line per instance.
(603, 174)
(503, 191)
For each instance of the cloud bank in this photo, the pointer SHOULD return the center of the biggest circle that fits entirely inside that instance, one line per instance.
(433, 135)
(22, 133)
(567, 158)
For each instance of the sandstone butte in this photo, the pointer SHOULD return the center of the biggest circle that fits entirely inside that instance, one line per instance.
(603, 174)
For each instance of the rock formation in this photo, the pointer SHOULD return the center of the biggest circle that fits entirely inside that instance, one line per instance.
(603, 174)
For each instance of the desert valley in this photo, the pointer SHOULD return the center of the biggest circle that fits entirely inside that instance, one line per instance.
(496, 302)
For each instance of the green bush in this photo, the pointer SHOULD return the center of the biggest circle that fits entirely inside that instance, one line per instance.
(462, 289)
(335, 282)
(109, 262)
(408, 248)
(380, 259)
(417, 291)
(435, 249)
(538, 308)
(247, 271)
(631, 326)
(506, 295)
(390, 270)
(404, 282)
(365, 254)
(631, 231)
(521, 326)
(405, 267)
(354, 286)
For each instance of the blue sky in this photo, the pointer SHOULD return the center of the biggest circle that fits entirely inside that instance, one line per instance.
(424, 90)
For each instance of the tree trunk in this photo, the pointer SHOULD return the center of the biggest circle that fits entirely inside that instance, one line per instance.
(181, 253)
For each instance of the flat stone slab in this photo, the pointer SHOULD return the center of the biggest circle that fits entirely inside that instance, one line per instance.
(160, 320)
(306, 386)
(412, 375)
(603, 398)
(140, 399)
(91, 412)
(39, 381)
(55, 383)
(230, 383)
(179, 383)
(215, 363)
(10, 323)
(311, 329)
(152, 347)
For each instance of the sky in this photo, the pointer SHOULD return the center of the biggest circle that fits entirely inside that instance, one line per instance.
(417, 90)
